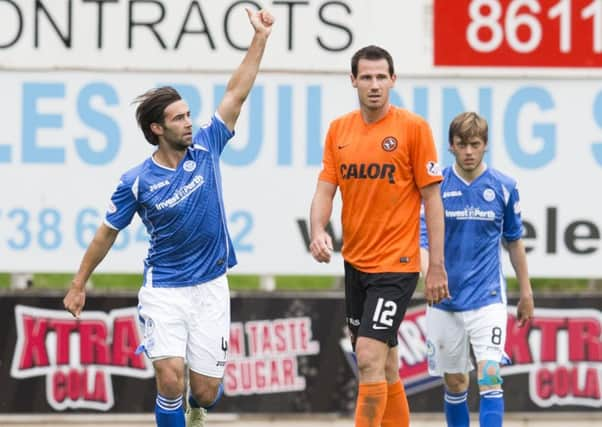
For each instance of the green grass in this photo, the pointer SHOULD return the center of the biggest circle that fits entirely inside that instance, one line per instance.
(553, 285)
(240, 282)
(559, 285)
(306, 283)
(237, 282)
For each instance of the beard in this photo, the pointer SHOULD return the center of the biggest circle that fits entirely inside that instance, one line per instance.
(178, 143)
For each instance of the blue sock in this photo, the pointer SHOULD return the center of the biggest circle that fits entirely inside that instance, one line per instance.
(456, 409)
(194, 404)
(169, 412)
(491, 413)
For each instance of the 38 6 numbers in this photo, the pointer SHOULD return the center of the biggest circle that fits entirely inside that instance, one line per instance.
(22, 230)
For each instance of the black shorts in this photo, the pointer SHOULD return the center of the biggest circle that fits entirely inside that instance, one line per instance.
(376, 303)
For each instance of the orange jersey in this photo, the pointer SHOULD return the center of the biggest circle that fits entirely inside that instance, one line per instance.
(379, 168)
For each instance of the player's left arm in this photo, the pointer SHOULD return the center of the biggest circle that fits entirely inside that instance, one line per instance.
(424, 244)
(427, 174)
(435, 283)
(518, 258)
(512, 232)
(242, 79)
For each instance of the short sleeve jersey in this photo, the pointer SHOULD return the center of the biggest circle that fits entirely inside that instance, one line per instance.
(379, 168)
(478, 215)
(182, 210)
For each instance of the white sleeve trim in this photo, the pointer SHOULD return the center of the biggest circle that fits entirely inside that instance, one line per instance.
(135, 187)
(506, 195)
(219, 117)
(108, 224)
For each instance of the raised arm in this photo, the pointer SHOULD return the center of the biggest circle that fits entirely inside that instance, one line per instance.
(75, 298)
(242, 79)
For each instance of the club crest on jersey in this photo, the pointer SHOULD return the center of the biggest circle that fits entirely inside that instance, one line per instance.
(389, 143)
(488, 195)
(189, 165)
(433, 168)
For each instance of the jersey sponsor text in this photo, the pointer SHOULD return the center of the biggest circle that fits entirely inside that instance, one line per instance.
(471, 213)
(368, 171)
(182, 193)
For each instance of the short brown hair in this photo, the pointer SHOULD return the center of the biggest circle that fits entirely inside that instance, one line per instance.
(468, 125)
(151, 109)
(371, 53)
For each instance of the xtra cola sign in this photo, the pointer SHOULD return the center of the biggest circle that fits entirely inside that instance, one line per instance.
(78, 357)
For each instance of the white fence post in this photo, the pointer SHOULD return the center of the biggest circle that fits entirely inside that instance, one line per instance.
(267, 283)
(21, 280)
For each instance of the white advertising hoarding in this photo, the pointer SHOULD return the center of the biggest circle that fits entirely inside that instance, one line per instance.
(68, 137)
(309, 35)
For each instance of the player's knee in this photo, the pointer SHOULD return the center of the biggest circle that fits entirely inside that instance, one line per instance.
(170, 382)
(391, 371)
(392, 367)
(489, 375)
(170, 385)
(369, 362)
(207, 393)
(456, 383)
(365, 358)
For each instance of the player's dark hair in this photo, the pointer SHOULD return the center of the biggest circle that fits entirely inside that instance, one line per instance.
(151, 109)
(371, 53)
(468, 125)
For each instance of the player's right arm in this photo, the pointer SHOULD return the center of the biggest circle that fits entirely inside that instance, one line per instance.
(75, 298)
(321, 209)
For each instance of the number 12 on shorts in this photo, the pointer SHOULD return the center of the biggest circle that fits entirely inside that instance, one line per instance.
(384, 312)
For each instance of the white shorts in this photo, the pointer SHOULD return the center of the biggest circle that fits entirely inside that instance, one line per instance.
(451, 334)
(192, 322)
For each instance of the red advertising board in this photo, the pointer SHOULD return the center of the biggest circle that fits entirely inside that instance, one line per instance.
(518, 33)
(288, 353)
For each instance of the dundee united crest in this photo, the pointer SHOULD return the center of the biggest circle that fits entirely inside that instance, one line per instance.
(389, 143)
